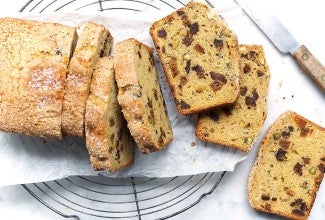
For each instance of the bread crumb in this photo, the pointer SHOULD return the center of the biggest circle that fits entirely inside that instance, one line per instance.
(193, 144)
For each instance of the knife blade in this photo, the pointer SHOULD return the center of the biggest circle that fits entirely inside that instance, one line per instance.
(285, 42)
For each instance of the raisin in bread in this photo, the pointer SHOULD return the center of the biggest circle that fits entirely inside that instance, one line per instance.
(289, 167)
(140, 96)
(200, 58)
(33, 65)
(93, 41)
(239, 124)
(108, 140)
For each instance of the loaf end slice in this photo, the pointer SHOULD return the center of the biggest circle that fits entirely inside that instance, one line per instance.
(108, 140)
(238, 125)
(200, 58)
(289, 167)
(33, 64)
(95, 40)
(140, 96)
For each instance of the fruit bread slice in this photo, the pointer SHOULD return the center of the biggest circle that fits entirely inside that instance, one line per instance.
(33, 64)
(108, 140)
(200, 58)
(140, 96)
(289, 167)
(238, 125)
(93, 42)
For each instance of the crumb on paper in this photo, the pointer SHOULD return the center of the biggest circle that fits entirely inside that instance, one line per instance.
(280, 84)
(193, 144)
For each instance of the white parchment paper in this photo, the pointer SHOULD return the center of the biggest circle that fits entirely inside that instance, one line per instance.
(26, 159)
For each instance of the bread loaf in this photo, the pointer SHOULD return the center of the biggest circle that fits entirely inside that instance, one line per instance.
(33, 64)
(238, 125)
(289, 167)
(140, 96)
(95, 40)
(200, 58)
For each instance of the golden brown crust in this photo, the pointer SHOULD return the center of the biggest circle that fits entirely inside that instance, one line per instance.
(90, 45)
(300, 155)
(135, 85)
(188, 68)
(34, 59)
(108, 141)
(239, 124)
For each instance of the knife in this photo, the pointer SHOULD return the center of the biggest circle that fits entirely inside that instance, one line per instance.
(286, 43)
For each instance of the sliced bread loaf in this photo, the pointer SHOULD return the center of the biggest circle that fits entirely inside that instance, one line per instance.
(140, 96)
(239, 124)
(93, 41)
(200, 58)
(289, 167)
(33, 64)
(108, 140)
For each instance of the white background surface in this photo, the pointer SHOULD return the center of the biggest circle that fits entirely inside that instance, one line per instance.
(229, 201)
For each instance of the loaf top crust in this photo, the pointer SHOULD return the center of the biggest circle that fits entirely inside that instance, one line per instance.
(33, 63)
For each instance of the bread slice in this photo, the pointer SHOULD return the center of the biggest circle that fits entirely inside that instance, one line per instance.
(108, 140)
(200, 58)
(140, 96)
(289, 167)
(91, 44)
(238, 125)
(33, 64)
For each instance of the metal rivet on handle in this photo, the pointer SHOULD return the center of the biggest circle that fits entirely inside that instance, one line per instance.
(305, 56)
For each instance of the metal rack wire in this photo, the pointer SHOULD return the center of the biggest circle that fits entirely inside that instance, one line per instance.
(81, 197)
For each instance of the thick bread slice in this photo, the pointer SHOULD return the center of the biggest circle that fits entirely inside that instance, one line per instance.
(108, 140)
(33, 64)
(200, 58)
(239, 124)
(289, 167)
(140, 96)
(94, 41)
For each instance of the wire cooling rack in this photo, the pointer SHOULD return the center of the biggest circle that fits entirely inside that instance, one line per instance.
(97, 197)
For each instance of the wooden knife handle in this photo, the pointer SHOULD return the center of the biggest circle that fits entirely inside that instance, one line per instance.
(311, 66)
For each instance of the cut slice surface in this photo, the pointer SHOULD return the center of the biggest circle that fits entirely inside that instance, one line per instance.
(238, 125)
(289, 167)
(200, 57)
